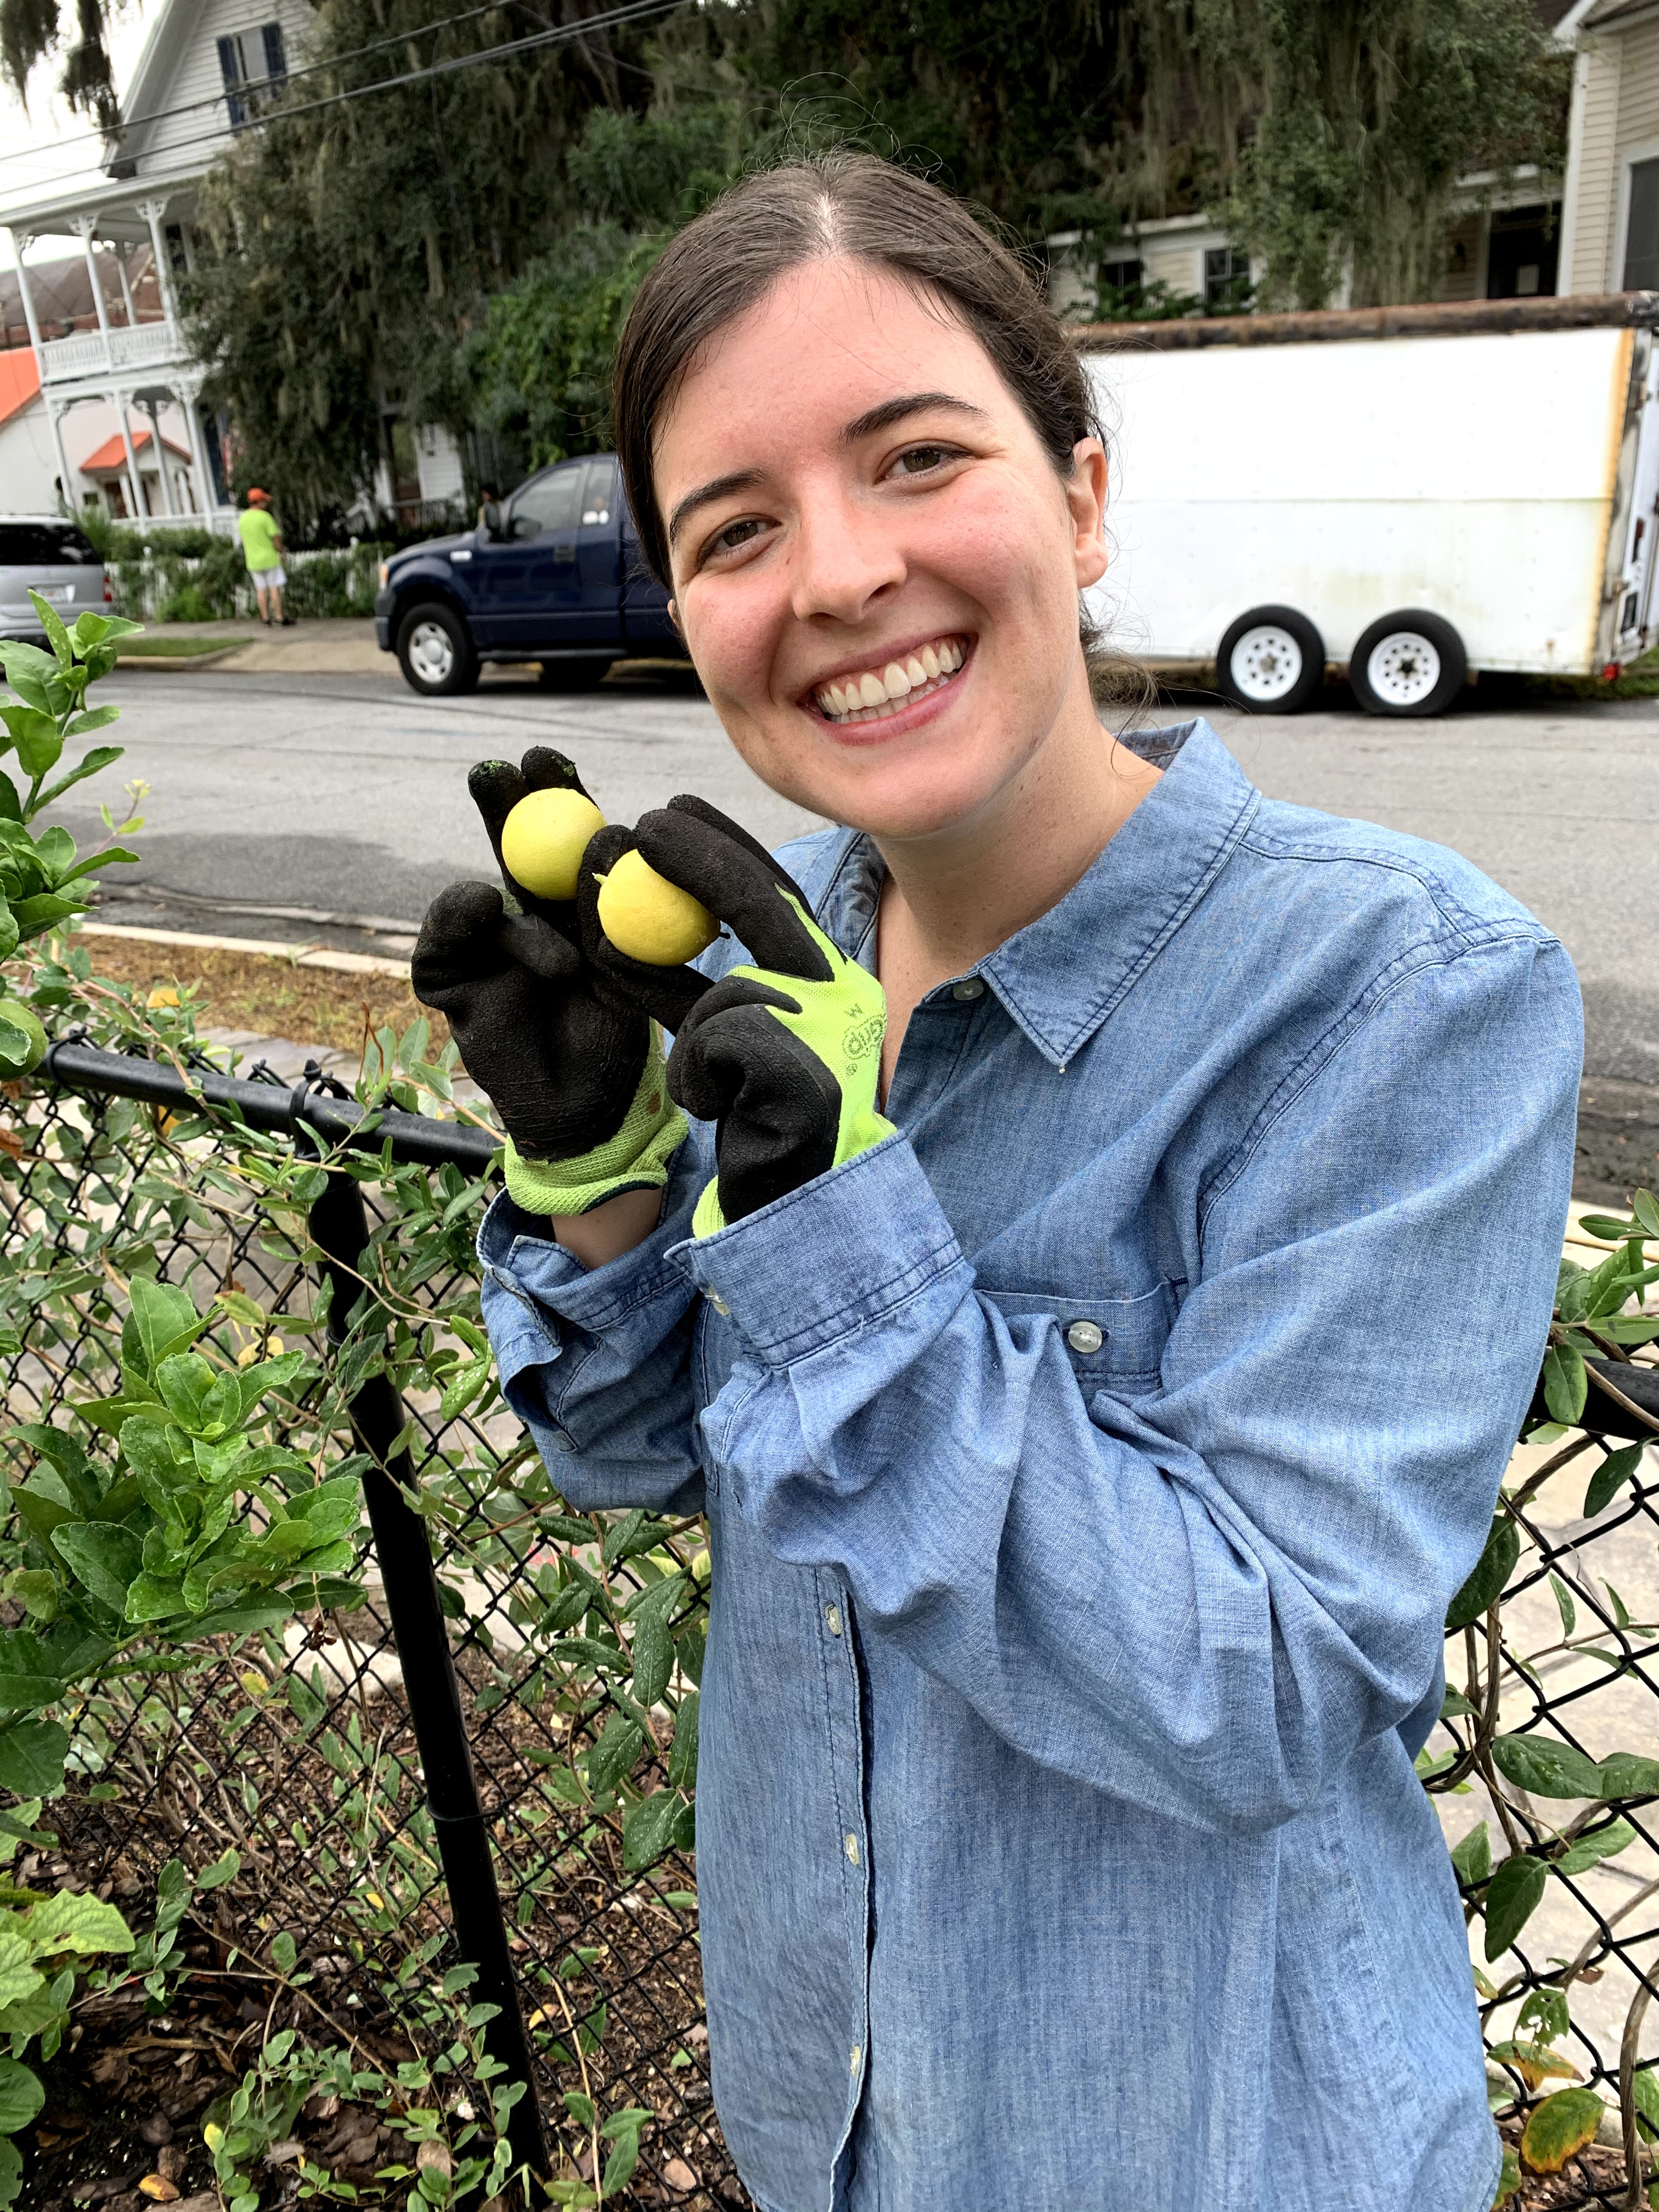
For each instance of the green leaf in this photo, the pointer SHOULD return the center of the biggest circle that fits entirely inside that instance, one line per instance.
(620, 1535)
(1491, 1571)
(579, 2108)
(95, 717)
(1509, 2180)
(56, 636)
(21, 2096)
(1546, 1768)
(93, 763)
(221, 1870)
(1590, 1851)
(162, 1319)
(1472, 1857)
(32, 1755)
(613, 1756)
(76, 1921)
(1627, 1775)
(1610, 1477)
(648, 1830)
(1512, 1896)
(654, 1647)
(1566, 1384)
(104, 1558)
(1558, 2127)
(28, 1677)
(92, 630)
(683, 1756)
(1645, 1207)
(1563, 1604)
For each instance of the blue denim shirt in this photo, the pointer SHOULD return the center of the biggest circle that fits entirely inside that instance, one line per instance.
(1088, 1469)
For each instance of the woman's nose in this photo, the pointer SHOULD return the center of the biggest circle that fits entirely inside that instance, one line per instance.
(845, 558)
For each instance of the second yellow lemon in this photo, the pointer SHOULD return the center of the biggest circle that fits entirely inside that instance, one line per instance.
(650, 919)
(544, 838)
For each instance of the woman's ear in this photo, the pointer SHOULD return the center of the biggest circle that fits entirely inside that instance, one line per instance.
(1085, 496)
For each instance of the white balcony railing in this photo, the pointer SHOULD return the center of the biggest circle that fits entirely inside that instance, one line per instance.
(89, 353)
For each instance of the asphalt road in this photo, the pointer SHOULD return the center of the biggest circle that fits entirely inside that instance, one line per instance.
(344, 797)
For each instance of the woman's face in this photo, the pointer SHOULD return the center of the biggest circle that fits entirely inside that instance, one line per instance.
(875, 565)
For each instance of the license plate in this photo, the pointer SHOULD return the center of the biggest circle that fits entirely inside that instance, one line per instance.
(58, 595)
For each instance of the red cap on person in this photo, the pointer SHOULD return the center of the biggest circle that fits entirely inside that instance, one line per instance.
(262, 497)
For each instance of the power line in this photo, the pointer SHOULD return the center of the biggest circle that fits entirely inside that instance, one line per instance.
(561, 34)
(289, 76)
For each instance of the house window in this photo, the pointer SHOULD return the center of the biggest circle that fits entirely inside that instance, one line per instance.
(250, 61)
(1226, 281)
(1120, 292)
(1642, 232)
(1522, 248)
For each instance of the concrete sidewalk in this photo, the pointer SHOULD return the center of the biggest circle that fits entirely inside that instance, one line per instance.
(339, 645)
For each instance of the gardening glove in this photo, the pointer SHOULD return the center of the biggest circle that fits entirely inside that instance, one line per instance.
(574, 1070)
(782, 1055)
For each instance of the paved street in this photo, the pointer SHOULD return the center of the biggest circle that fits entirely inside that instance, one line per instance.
(345, 795)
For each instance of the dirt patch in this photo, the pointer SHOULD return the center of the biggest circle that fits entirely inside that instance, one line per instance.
(268, 994)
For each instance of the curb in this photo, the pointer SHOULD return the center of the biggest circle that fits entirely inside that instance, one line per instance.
(176, 663)
(298, 955)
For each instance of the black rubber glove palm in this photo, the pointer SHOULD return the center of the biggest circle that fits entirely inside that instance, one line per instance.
(782, 1055)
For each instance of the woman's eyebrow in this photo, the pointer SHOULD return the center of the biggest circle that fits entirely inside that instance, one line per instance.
(718, 488)
(896, 410)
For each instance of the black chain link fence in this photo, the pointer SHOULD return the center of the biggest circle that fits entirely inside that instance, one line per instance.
(321, 1759)
(314, 1759)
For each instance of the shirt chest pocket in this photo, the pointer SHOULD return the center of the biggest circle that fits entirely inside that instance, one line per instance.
(1113, 1344)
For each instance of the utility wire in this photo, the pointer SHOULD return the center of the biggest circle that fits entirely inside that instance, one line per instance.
(288, 77)
(561, 34)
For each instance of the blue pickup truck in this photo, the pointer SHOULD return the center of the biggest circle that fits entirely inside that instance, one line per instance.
(553, 574)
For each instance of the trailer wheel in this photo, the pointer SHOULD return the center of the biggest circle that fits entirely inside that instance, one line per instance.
(1408, 663)
(1271, 661)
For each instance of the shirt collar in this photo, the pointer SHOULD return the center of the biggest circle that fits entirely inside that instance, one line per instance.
(1063, 975)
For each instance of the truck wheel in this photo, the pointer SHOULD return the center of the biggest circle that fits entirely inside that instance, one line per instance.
(1408, 663)
(435, 652)
(573, 675)
(1271, 661)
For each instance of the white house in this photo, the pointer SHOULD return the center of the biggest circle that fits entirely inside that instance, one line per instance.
(205, 68)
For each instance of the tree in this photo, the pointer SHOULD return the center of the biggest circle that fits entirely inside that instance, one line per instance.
(350, 249)
(30, 29)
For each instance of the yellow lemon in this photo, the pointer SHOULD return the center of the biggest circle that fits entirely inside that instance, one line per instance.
(650, 919)
(544, 838)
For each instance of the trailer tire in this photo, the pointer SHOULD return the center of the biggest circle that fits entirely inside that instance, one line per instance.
(1411, 662)
(1271, 661)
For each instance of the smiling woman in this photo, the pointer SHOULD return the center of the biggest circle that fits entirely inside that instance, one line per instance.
(1055, 1306)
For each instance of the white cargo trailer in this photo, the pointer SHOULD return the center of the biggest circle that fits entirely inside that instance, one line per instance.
(1411, 495)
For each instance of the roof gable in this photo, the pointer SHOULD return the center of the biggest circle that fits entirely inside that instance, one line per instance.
(180, 83)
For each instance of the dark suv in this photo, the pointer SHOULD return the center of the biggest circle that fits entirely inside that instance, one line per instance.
(553, 574)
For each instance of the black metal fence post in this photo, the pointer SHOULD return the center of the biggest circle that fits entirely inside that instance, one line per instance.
(339, 1225)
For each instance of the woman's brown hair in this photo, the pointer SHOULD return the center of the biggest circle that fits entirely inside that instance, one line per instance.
(868, 209)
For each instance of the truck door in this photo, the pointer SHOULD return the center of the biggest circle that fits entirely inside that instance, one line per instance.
(528, 583)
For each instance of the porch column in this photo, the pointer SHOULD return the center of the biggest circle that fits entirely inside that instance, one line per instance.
(85, 224)
(187, 398)
(20, 243)
(159, 451)
(153, 211)
(126, 285)
(135, 482)
(66, 475)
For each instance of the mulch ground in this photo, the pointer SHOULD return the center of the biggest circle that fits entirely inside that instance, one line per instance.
(268, 994)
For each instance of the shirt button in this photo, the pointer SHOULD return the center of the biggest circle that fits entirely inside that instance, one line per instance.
(832, 1614)
(562, 1442)
(718, 1302)
(1084, 1336)
(851, 1843)
(970, 987)
(857, 2053)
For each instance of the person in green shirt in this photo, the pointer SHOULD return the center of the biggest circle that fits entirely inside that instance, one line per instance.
(262, 549)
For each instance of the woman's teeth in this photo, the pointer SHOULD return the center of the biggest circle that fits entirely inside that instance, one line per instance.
(873, 694)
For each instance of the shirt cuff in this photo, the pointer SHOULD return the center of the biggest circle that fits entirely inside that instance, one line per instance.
(845, 1251)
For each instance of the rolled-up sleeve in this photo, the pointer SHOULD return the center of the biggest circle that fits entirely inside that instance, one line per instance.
(596, 1361)
(1205, 1599)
